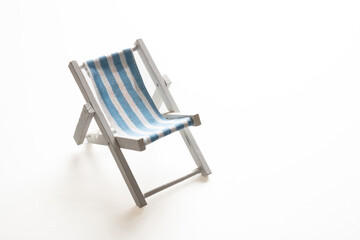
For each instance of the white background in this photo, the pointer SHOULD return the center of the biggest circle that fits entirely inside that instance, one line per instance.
(277, 87)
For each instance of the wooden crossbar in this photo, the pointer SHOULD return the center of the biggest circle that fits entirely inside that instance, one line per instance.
(167, 185)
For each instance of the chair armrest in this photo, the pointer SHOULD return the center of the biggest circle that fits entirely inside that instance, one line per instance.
(128, 142)
(195, 117)
(132, 143)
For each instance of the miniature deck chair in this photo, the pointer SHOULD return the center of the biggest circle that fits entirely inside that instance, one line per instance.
(127, 116)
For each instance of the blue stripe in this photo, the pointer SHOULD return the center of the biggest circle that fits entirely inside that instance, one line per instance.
(108, 103)
(134, 95)
(124, 104)
(136, 73)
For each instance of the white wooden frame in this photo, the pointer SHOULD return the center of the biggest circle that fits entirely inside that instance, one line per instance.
(106, 136)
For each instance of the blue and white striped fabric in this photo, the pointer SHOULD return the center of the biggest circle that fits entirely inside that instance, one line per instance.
(125, 100)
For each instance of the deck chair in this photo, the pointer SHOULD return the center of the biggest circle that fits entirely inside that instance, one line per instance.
(127, 117)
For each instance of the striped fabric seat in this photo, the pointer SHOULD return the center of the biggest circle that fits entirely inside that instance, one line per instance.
(126, 102)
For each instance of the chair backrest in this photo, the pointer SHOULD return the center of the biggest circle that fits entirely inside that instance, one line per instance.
(123, 96)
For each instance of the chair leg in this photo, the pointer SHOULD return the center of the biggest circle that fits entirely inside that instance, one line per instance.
(128, 176)
(195, 151)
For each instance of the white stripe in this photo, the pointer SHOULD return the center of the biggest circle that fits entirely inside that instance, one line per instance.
(112, 121)
(143, 98)
(146, 102)
(114, 100)
(131, 102)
